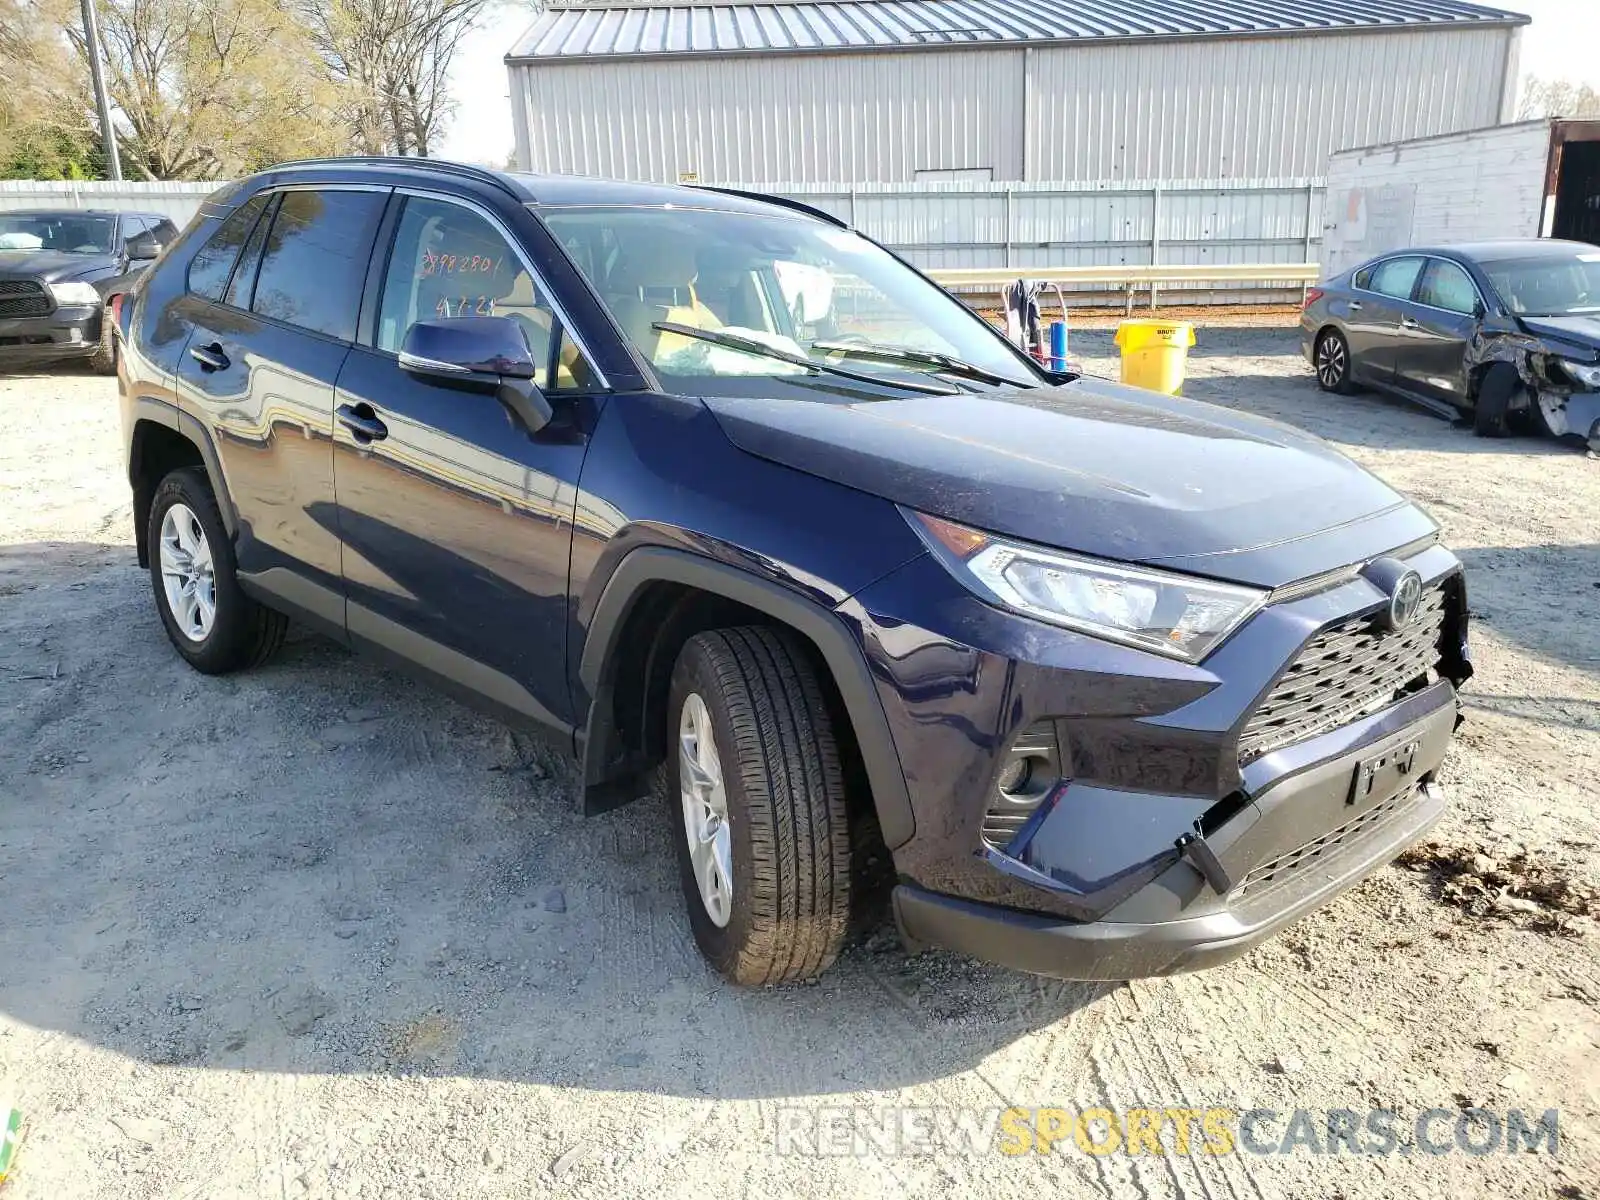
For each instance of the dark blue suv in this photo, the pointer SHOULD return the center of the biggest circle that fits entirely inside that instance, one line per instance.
(701, 479)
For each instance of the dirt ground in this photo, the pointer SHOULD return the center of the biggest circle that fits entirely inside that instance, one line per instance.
(317, 931)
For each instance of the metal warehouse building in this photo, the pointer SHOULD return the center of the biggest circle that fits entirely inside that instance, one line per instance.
(893, 91)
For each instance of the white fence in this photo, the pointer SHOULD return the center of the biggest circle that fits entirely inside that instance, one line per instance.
(176, 200)
(961, 224)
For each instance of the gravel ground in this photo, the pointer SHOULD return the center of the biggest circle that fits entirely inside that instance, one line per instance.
(317, 931)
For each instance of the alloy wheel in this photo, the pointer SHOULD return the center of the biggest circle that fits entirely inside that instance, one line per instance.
(1332, 361)
(705, 810)
(187, 574)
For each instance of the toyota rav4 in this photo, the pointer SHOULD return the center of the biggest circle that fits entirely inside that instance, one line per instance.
(705, 480)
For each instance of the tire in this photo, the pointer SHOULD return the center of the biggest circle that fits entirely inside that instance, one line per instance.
(1492, 409)
(240, 632)
(104, 359)
(1332, 363)
(785, 835)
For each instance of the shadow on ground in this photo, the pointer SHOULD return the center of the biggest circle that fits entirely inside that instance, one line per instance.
(320, 866)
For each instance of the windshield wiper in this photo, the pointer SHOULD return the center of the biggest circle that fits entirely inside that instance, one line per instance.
(750, 346)
(947, 363)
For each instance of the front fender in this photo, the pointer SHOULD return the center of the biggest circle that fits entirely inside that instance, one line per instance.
(824, 628)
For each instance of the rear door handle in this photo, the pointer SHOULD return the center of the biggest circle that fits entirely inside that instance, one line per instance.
(362, 421)
(210, 358)
(1408, 323)
(1355, 306)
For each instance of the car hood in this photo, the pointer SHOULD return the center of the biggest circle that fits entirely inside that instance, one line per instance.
(1580, 330)
(51, 266)
(1090, 466)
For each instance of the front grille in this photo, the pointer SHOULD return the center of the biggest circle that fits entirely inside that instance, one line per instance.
(1285, 866)
(1344, 673)
(23, 298)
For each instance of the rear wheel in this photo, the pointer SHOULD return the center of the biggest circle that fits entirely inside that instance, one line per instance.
(764, 841)
(210, 621)
(1333, 362)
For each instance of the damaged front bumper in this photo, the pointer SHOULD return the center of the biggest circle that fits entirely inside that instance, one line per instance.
(1155, 929)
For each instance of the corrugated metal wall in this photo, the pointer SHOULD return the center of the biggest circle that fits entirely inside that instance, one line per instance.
(1254, 106)
(1184, 109)
(846, 117)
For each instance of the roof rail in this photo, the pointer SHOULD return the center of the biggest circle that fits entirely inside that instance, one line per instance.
(443, 166)
(780, 201)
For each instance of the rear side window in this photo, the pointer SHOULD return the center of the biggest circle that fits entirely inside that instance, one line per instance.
(212, 264)
(1446, 285)
(1396, 277)
(315, 260)
(241, 288)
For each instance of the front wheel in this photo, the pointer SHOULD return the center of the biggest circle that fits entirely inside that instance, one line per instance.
(1547, 415)
(104, 359)
(763, 833)
(210, 621)
(1333, 363)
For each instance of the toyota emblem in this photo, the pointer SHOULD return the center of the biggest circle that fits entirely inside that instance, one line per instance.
(1404, 600)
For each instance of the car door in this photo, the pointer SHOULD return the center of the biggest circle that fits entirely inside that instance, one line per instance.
(457, 522)
(269, 336)
(1373, 319)
(1436, 326)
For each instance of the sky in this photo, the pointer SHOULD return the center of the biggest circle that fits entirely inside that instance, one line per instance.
(1562, 43)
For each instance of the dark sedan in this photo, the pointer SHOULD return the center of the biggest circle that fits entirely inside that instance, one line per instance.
(1507, 333)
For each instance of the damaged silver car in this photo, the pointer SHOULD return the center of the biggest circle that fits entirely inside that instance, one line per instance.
(1505, 334)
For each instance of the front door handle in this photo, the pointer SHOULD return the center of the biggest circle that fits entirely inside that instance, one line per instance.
(1408, 323)
(210, 358)
(362, 421)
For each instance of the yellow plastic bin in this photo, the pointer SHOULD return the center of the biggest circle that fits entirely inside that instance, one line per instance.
(1154, 353)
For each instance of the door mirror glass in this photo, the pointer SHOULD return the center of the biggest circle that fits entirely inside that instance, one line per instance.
(458, 346)
(143, 246)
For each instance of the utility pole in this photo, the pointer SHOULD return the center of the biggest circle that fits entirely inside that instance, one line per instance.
(108, 135)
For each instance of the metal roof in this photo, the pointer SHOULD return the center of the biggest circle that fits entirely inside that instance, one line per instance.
(568, 29)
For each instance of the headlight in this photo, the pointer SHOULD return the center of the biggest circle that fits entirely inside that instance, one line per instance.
(74, 293)
(1587, 374)
(1175, 615)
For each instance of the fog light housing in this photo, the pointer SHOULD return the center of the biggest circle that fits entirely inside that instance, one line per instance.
(1030, 771)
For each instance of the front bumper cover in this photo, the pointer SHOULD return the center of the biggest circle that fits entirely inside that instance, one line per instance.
(69, 331)
(1147, 933)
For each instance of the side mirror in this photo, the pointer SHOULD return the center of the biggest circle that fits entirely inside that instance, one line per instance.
(479, 354)
(142, 247)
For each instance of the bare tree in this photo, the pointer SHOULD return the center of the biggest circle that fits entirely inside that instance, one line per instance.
(46, 112)
(393, 58)
(1558, 98)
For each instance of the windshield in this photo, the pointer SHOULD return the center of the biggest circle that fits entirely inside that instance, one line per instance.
(806, 289)
(71, 232)
(1546, 286)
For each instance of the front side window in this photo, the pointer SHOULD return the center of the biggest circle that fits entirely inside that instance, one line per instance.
(449, 261)
(1548, 285)
(802, 288)
(1396, 277)
(213, 263)
(315, 260)
(66, 232)
(1446, 285)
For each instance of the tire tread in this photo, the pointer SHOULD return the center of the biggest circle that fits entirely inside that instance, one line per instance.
(792, 779)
